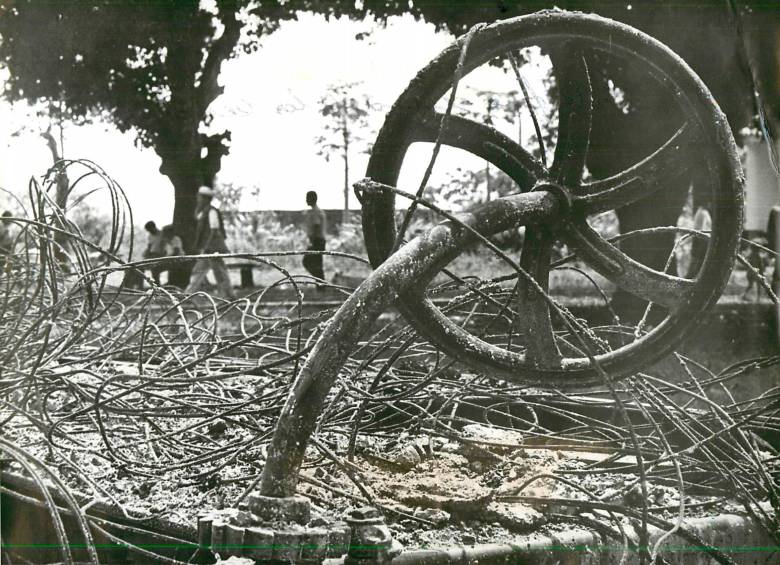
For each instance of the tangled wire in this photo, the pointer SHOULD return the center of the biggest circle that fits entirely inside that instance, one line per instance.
(157, 405)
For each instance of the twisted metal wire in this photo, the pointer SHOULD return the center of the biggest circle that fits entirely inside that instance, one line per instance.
(99, 386)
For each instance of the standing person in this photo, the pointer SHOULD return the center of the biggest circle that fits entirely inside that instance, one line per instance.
(702, 221)
(172, 247)
(6, 237)
(773, 239)
(171, 243)
(773, 243)
(134, 278)
(210, 238)
(154, 249)
(316, 226)
(7, 241)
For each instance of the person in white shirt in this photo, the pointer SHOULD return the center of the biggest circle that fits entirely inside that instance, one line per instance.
(316, 226)
(171, 242)
(210, 238)
(154, 249)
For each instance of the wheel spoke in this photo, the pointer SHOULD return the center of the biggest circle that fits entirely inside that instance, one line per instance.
(630, 275)
(483, 141)
(574, 117)
(535, 319)
(642, 180)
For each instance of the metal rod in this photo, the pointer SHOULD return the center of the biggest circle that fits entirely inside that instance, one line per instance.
(414, 265)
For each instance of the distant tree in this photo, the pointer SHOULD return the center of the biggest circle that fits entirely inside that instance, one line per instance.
(489, 107)
(345, 120)
(149, 67)
(152, 67)
(230, 196)
(53, 136)
(95, 226)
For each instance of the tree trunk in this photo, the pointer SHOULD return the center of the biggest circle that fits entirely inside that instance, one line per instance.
(186, 196)
(179, 144)
(185, 185)
(181, 165)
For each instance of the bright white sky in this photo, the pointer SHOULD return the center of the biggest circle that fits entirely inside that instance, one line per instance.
(270, 106)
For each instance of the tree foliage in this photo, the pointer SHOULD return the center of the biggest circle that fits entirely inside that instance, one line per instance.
(345, 118)
(152, 66)
(464, 188)
(148, 67)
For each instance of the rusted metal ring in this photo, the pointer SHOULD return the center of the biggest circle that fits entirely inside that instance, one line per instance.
(411, 120)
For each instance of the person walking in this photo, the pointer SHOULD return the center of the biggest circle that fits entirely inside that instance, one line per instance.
(316, 226)
(210, 238)
(134, 277)
(171, 243)
(6, 237)
(7, 242)
(154, 249)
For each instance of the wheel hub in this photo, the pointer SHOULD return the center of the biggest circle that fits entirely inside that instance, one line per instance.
(562, 194)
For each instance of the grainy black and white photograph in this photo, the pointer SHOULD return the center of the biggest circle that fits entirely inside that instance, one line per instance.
(389, 282)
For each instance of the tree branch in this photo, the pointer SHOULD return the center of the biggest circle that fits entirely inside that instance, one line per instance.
(52, 144)
(209, 88)
(217, 146)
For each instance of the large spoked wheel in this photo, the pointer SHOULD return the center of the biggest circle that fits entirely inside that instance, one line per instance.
(574, 42)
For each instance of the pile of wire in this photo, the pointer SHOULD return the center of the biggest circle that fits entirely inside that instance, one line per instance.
(105, 394)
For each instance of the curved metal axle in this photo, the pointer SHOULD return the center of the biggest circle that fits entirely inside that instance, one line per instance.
(414, 265)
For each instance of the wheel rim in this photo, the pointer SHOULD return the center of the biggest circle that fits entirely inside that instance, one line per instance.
(412, 119)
